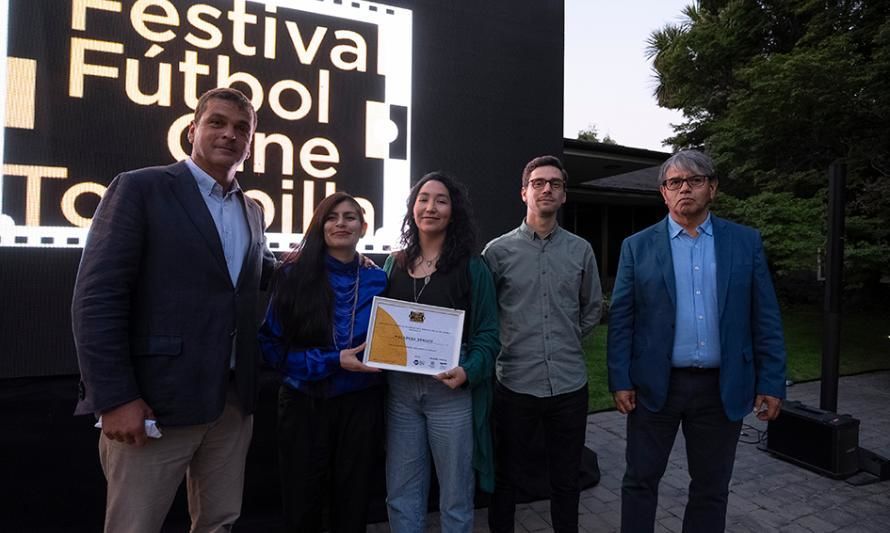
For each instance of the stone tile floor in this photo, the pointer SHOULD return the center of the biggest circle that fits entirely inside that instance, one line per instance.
(766, 494)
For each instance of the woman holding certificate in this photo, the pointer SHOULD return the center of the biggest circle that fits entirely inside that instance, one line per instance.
(330, 405)
(443, 418)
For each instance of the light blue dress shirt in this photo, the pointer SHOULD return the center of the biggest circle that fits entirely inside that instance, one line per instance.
(227, 211)
(697, 333)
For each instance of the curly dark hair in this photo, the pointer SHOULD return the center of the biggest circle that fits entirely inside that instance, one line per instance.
(460, 236)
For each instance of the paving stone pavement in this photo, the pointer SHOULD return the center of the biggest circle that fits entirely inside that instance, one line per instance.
(766, 494)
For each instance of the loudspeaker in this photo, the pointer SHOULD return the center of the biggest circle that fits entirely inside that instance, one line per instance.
(822, 441)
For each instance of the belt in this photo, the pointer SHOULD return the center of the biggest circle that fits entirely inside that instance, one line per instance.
(696, 370)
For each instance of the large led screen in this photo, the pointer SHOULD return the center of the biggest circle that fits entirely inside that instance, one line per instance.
(355, 96)
(363, 97)
(95, 87)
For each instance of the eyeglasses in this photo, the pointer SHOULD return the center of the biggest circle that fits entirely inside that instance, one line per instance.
(557, 184)
(675, 184)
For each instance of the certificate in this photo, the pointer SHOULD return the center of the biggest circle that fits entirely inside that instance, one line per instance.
(412, 337)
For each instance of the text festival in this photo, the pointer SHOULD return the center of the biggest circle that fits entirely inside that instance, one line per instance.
(204, 28)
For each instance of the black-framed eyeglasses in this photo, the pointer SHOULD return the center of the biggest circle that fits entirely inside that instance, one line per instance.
(675, 184)
(557, 184)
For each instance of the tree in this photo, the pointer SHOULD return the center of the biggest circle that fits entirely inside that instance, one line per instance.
(776, 90)
(592, 135)
(778, 215)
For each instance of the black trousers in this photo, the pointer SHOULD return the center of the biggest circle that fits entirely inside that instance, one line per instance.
(694, 401)
(327, 449)
(563, 419)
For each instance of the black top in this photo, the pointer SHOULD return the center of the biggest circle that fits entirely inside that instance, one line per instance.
(445, 289)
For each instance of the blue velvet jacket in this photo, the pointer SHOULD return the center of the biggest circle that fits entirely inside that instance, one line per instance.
(316, 370)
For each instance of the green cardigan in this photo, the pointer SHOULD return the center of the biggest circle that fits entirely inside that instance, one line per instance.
(477, 360)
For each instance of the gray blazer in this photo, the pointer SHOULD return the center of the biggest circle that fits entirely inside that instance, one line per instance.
(154, 312)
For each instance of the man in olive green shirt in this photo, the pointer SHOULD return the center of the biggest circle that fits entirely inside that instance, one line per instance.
(549, 298)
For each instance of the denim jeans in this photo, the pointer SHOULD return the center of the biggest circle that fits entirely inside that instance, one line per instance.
(424, 416)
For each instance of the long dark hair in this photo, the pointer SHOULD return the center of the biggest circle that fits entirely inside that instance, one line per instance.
(460, 235)
(301, 295)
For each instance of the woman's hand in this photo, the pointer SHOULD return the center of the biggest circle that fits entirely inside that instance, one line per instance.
(454, 378)
(349, 360)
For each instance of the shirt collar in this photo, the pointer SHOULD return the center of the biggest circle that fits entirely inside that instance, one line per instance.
(674, 229)
(530, 233)
(206, 183)
(337, 266)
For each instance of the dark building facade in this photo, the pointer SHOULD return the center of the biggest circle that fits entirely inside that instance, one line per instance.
(612, 194)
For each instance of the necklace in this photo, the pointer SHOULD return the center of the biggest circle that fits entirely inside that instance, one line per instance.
(348, 343)
(426, 281)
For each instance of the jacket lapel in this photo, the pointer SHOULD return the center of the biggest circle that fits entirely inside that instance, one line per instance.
(723, 253)
(256, 228)
(186, 192)
(662, 243)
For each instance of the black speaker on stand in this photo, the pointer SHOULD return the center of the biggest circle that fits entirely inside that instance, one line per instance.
(821, 439)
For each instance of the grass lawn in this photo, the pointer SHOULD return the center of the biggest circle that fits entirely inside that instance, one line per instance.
(865, 346)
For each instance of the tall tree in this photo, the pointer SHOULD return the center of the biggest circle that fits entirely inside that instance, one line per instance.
(777, 89)
(591, 134)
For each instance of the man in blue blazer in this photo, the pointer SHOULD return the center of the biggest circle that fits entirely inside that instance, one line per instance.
(695, 338)
(164, 315)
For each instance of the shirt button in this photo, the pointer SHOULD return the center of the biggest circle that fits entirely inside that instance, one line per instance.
(696, 267)
(702, 343)
(697, 292)
(700, 317)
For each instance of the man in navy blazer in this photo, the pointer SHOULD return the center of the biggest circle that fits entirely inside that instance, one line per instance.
(164, 319)
(695, 338)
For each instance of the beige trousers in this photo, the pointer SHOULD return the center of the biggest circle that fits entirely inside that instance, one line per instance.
(142, 482)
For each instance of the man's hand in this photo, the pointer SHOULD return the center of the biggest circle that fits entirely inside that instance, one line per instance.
(126, 423)
(349, 360)
(454, 378)
(625, 400)
(767, 407)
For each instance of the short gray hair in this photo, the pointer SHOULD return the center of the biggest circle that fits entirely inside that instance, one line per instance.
(691, 161)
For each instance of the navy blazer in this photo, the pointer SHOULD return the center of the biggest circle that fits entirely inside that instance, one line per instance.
(643, 312)
(154, 311)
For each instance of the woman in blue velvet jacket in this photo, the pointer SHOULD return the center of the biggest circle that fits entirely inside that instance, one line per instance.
(330, 405)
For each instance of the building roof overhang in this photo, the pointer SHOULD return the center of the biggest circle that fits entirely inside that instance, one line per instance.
(611, 173)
